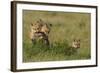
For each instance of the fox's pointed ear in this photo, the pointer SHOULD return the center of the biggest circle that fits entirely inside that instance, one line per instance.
(50, 24)
(74, 40)
(31, 24)
(40, 19)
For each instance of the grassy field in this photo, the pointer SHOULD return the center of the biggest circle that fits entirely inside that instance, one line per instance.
(66, 26)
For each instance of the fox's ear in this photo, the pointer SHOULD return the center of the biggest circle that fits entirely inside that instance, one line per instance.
(74, 40)
(40, 19)
(31, 24)
(51, 25)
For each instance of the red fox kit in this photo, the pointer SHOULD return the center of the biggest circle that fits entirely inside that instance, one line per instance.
(76, 43)
(40, 30)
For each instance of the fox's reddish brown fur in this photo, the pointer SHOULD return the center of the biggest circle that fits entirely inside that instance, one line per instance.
(76, 43)
(39, 30)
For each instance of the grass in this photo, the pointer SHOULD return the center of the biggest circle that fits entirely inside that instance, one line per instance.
(58, 51)
(65, 27)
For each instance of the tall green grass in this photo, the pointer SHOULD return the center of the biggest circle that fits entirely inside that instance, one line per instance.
(66, 26)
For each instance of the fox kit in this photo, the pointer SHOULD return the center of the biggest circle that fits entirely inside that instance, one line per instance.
(33, 29)
(45, 29)
(40, 30)
(76, 44)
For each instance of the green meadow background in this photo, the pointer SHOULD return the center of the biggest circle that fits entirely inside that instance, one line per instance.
(66, 26)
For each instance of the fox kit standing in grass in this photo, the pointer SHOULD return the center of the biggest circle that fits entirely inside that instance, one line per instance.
(40, 30)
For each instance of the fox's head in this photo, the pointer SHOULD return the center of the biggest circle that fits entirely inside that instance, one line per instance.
(36, 27)
(76, 43)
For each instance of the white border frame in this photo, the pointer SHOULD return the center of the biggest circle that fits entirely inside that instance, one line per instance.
(36, 65)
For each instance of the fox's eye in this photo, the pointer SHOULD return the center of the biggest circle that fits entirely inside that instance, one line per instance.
(37, 28)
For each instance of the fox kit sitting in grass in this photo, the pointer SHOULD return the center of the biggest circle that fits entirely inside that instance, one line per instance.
(75, 45)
